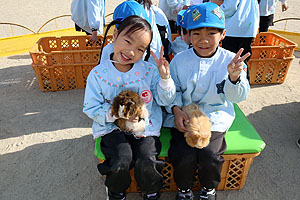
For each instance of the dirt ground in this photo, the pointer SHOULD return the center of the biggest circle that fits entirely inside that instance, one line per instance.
(46, 145)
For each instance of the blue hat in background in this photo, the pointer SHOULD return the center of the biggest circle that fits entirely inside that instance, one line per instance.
(205, 15)
(179, 17)
(128, 8)
(183, 21)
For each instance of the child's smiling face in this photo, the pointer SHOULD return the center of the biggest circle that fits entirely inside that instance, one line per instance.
(206, 40)
(129, 48)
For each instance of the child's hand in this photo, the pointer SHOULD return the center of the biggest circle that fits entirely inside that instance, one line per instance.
(284, 7)
(180, 118)
(235, 67)
(218, 2)
(162, 64)
(94, 38)
(185, 7)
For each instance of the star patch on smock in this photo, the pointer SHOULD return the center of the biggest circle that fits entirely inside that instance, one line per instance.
(220, 87)
(217, 12)
(196, 15)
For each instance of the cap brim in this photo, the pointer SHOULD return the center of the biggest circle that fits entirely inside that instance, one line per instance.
(195, 26)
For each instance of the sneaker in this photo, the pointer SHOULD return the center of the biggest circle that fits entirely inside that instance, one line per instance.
(207, 194)
(185, 195)
(115, 196)
(298, 143)
(153, 196)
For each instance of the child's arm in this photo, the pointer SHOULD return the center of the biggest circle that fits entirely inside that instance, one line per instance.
(176, 5)
(178, 95)
(236, 89)
(95, 105)
(229, 7)
(95, 16)
(166, 88)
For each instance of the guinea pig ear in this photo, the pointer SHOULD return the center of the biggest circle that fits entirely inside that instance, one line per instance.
(121, 111)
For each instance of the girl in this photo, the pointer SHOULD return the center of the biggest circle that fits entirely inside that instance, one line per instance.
(126, 70)
(128, 8)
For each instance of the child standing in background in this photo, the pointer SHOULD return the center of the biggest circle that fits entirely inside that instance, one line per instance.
(266, 11)
(241, 21)
(213, 78)
(183, 41)
(171, 9)
(88, 16)
(126, 70)
(158, 16)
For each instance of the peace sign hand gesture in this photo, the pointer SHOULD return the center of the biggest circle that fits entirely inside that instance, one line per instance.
(162, 64)
(235, 67)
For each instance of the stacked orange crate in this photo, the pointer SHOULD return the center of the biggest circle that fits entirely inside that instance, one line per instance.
(63, 63)
(271, 58)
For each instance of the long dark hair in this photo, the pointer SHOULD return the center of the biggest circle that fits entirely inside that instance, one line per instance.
(134, 22)
(147, 3)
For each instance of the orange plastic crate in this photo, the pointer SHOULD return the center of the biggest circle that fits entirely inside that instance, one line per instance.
(63, 63)
(269, 70)
(272, 45)
(234, 173)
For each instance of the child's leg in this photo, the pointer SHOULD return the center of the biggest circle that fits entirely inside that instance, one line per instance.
(118, 154)
(184, 160)
(211, 161)
(265, 22)
(147, 168)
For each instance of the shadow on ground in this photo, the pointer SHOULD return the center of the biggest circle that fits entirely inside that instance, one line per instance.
(26, 109)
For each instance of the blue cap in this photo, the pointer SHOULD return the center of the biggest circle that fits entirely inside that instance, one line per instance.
(179, 17)
(205, 15)
(128, 8)
(183, 21)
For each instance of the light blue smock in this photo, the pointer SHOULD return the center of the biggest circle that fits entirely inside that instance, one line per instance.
(178, 45)
(89, 14)
(268, 7)
(241, 17)
(105, 82)
(204, 81)
(172, 7)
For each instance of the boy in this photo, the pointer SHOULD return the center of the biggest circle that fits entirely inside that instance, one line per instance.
(214, 78)
(183, 41)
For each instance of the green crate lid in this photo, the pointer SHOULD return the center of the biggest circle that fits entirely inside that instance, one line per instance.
(241, 138)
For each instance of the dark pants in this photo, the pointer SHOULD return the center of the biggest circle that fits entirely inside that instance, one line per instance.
(77, 28)
(186, 160)
(173, 26)
(123, 152)
(234, 44)
(265, 22)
